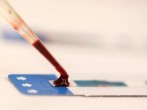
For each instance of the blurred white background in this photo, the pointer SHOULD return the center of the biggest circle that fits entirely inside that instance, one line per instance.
(102, 23)
(105, 36)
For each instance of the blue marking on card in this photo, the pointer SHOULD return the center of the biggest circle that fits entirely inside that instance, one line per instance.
(37, 84)
(95, 83)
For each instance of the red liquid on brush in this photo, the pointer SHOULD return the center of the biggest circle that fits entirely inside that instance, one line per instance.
(63, 80)
(9, 11)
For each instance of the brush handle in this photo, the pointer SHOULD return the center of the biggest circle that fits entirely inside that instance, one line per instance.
(12, 17)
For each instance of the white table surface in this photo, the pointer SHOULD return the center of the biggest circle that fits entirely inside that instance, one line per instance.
(78, 61)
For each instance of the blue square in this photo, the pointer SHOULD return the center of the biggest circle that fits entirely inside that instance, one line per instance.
(37, 84)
